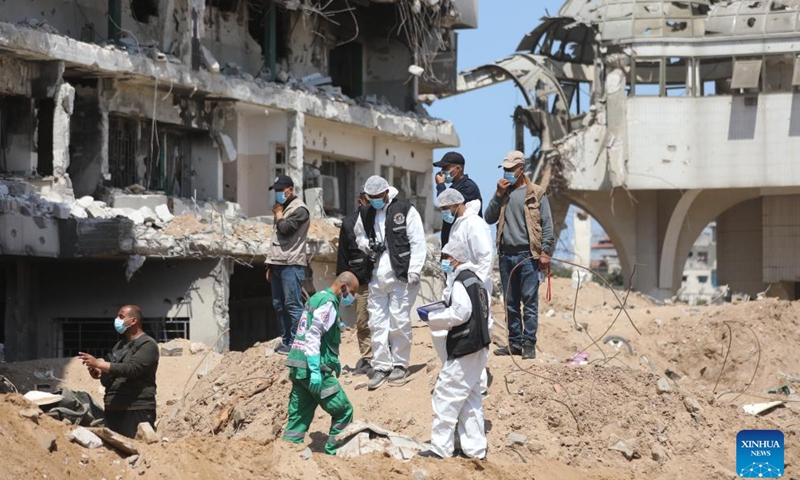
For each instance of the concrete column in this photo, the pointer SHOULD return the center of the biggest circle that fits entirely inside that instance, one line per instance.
(294, 154)
(222, 291)
(21, 328)
(65, 102)
(617, 143)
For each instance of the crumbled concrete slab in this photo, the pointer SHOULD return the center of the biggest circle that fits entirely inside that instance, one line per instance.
(692, 406)
(171, 350)
(209, 61)
(145, 432)
(663, 386)
(85, 438)
(226, 147)
(163, 213)
(362, 438)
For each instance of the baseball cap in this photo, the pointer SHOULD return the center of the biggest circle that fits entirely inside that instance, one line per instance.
(450, 158)
(283, 181)
(513, 159)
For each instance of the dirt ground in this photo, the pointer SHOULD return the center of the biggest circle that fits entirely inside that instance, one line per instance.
(569, 414)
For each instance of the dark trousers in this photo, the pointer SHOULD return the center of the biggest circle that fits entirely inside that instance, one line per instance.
(287, 298)
(125, 422)
(520, 288)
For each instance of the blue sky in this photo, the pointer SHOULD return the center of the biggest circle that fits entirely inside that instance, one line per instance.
(483, 117)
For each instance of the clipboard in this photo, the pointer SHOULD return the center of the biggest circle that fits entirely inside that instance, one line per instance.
(424, 310)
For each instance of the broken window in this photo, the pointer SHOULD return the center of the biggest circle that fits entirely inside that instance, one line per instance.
(346, 68)
(778, 73)
(714, 76)
(280, 161)
(678, 77)
(646, 77)
(267, 24)
(45, 116)
(169, 167)
(338, 188)
(123, 137)
(746, 74)
(142, 10)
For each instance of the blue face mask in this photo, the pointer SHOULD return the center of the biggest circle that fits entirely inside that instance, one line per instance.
(348, 300)
(280, 197)
(511, 177)
(448, 216)
(448, 178)
(377, 203)
(119, 325)
(446, 268)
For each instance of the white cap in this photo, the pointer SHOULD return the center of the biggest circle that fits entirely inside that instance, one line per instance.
(375, 185)
(456, 249)
(449, 197)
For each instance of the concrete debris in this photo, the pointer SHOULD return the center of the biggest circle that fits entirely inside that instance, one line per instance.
(85, 438)
(197, 347)
(515, 438)
(627, 448)
(38, 24)
(316, 79)
(144, 431)
(692, 406)
(115, 440)
(415, 70)
(209, 61)
(163, 214)
(226, 147)
(31, 414)
(133, 264)
(759, 408)
(362, 438)
(171, 350)
(550, 313)
(306, 454)
(663, 386)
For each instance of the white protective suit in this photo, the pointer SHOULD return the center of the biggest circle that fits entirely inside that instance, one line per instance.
(390, 299)
(473, 231)
(457, 396)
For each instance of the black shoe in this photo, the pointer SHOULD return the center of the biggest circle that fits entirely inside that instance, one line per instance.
(506, 351)
(283, 350)
(528, 351)
(429, 454)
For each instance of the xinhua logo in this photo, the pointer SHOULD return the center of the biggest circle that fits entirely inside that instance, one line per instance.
(759, 453)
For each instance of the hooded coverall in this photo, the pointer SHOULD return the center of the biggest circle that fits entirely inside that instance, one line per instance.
(316, 347)
(390, 299)
(457, 400)
(473, 231)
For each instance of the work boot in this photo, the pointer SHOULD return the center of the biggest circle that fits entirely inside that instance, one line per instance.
(362, 367)
(283, 350)
(377, 379)
(528, 350)
(398, 377)
(506, 351)
(429, 454)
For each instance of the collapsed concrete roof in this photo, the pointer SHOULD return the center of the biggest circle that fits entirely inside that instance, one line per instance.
(98, 61)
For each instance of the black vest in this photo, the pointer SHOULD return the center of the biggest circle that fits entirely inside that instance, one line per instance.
(349, 256)
(396, 237)
(473, 335)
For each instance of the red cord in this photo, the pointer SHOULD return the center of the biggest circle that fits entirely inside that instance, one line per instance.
(549, 290)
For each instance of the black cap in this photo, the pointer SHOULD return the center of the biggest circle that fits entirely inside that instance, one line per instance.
(283, 181)
(450, 158)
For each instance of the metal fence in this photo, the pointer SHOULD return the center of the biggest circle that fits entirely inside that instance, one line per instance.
(97, 336)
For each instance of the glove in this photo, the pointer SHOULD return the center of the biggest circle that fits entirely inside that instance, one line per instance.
(413, 278)
(423, 314)
(315, 380)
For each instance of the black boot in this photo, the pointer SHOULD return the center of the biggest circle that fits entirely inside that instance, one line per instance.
(507, 350)
(528, 350)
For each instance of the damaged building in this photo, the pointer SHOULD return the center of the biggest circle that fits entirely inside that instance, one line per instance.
(658, 117)
(138, 139)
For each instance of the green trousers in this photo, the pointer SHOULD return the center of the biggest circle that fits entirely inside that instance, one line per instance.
(303, 404)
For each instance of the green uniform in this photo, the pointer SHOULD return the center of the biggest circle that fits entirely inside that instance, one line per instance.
(318, 334)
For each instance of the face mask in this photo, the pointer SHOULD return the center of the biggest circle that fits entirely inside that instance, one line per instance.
(446, 268)
(448, 216)
(348, 300)
(119, 325)
(448, 178)
(280, 197)
(510, 176)
(377, 203)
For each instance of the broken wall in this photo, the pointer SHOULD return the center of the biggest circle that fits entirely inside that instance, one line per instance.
(89, 141)
(228, 39)
(781, 237)
(307, 45)
(386, 63)
(96, 289)
(740, 246)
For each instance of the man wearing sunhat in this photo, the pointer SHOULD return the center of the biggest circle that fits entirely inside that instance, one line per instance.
(525, 238)
(286, 258)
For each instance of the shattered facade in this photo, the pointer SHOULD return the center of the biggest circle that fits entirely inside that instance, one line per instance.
(659, 116)
(138, 139)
